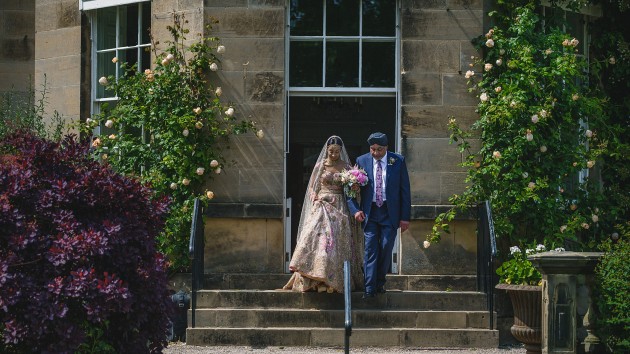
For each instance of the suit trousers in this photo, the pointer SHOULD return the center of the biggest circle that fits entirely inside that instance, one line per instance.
(380, 237)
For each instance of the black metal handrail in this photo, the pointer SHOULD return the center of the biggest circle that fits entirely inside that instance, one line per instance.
(347, 293)
(486, 255)
(195, 253)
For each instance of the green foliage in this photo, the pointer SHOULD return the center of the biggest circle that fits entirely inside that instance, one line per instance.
(544, 135)
(171, 129)
(20, 111)
(518, 270)
(94, 342)
(613, 279)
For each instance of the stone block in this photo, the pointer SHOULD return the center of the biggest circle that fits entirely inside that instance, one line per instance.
(58, 43)
(17, 50)
(247, 22)
(56, 14)
(28, 5)
(18, 80)
(366, 337)
(432, 154)
(428, 56)
(431, 121)
(260, 54)
(211, 4)
(18, 23)
(421, 89)
(440, 24)
(424, 4)
(425, 188)
(467, 52)
(442, 320)
(244, 245)
(451, 183)
(465, 4)
(456, 91)
(248, 186)
(59, 71)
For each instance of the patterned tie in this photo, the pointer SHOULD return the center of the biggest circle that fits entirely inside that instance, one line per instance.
(379, 184)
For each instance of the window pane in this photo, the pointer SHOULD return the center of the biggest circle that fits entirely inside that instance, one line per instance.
(379, 18)
(129, 56)
(128, 25)
(306, 64)
(146, 23)
(106, 26)
(105, 68)
(378, 64)
(342, 64)
(145, 63)
(307, 18)
(342, 17)
(575, 28)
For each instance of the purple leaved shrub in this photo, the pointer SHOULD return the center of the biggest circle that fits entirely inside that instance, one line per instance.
(79, 270)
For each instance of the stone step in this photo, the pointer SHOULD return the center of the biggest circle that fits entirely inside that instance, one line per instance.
(397, 282)
(282, 317)
(328, 337)
(392, 300)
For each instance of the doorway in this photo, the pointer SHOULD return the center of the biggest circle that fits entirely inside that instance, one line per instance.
(312, 120)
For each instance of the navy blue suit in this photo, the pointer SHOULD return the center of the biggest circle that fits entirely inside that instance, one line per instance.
(381, 225)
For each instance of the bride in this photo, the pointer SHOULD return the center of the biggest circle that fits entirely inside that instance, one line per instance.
(327, 235)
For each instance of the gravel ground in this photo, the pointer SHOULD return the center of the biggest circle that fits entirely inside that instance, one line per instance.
(182, 348)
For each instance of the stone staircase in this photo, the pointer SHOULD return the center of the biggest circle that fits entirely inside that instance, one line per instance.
(417, 311)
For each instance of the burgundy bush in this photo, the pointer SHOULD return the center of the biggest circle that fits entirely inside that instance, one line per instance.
(78, 261)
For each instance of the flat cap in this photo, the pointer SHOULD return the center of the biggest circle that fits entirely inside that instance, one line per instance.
(378, 138)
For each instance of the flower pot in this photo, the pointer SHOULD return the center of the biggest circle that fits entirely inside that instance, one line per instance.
(527, 306)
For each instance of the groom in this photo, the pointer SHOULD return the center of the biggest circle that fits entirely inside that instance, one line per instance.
(385, 206)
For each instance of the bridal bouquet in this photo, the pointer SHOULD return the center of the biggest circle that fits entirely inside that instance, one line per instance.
(352, 180)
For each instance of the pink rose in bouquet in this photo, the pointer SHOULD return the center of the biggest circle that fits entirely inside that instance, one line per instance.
(352, 180)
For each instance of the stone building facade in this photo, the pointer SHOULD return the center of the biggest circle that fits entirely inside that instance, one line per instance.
(17, 45)
(425, 53)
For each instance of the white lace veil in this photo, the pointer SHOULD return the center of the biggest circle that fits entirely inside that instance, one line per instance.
(314, 183)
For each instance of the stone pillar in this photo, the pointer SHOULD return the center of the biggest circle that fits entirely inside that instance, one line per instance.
(568, 311)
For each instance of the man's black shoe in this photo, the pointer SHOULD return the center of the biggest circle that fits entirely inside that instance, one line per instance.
(368, 295)
(381, 290)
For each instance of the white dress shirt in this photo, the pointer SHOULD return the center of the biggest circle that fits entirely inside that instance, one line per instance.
(384, 174)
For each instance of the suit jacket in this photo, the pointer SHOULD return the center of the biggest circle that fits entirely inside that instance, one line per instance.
(397, 189)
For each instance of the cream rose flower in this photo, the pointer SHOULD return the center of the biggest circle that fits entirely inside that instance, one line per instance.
(260, 134)
(173, 186)
(218, 91)
(595, 218)
(531, 185)
(487, 67)
(197, 110)
(96, 142)
(209, 194)
(585, 226)
(588, 133)
(612, 60)
(469, 74)
(114, 60)
(103, 81)
(185, 132)
(590, 164)
(543, 113)
(200, 170)
(221, 49)
(229, 112)
(185, 181)
(109, 123)
(426, 244)
(214, 67)
(214, 163)
(490, 43)
(575, 97)
(513, 104)
(112, 136)
(483, 97)
(217, 170)
(535, 118)
(198, 125)
(529, 136)
(543, 148)
(499, 62)
(563, 228)
(501, 51)
(496, 155)
(498, 89)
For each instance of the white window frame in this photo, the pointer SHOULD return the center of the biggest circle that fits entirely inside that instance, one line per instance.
(86, 5)
(346, 91)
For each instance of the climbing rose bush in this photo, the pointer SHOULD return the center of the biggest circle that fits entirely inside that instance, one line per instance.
(79, 271)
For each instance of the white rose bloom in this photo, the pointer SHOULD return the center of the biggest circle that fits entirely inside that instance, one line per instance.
(543, 148)
(197, 110)
(209, 194)
(515, 249)
(483, 97)
(543, 113)
(260, 134)
(170, 57)
(114, 60)
(487, 67)
(185, 181)
(535, 118)
(198, 125)
(563, 227)
(529, 136)
(588, 133)
(173, 185)
(590, 164)
(469, 74)
(89, 121)
(426, 244)
(185, 132)
(540, 247)
(490, 43)
(103, 81)
(525, 174)
(214, 163)
(112, 136)
(218, 91)
(513, 104)
(165, 62)
(109, 123)
(221, 49)
(218, 170)
(496, 155)
(214, 67)
(499, 62)
(498, 89)
(200, 170)
(612, 60)
(531, 185)
(595, 218)
(585, 226)
(229, 112)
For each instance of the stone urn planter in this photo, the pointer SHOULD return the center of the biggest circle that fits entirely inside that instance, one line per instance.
(527, 306)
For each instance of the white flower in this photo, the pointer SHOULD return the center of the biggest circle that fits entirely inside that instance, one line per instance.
(112, 136)
(104, 157)
(150, 91)
(565, 42)
(185, 181)
(218, 91)
(221, 49)
(574, 42)
(496, 155)
(103, 81)
(487, 67)
(260, 134)
(229, 112)
(513, 104)
(501, 51)
(200, 170)
(214, 163)
(529, 251)
(543, 148)
(109, 123)
(114, 60)
(585, 226)
(426, 244)
(590, 164)
(96, 142)
(165, 62)
(499, 62)
(563, 228)
(575, 97)
(559, 249)
(535, 118)
(198, 125)
(612, 60)
(185, 132)
(529, 136)
(173, 186)
(170, 57)
(209, 194)
(217, 170)
(197, 110)
(214, 67)
(89, 121)
(483, 97)
(543, 113)
(498, 89)
(531, 185)
(525, 174)
(490, 43)
(588, 133)
(469, 74)
(540, 248)
(573, 207)
(515, 249)
(595, 218)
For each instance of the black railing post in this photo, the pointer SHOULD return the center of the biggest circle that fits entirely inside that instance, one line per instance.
(195, 253)
(347, 294)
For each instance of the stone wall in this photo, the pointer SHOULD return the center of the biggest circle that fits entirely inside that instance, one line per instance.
(17, 45)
